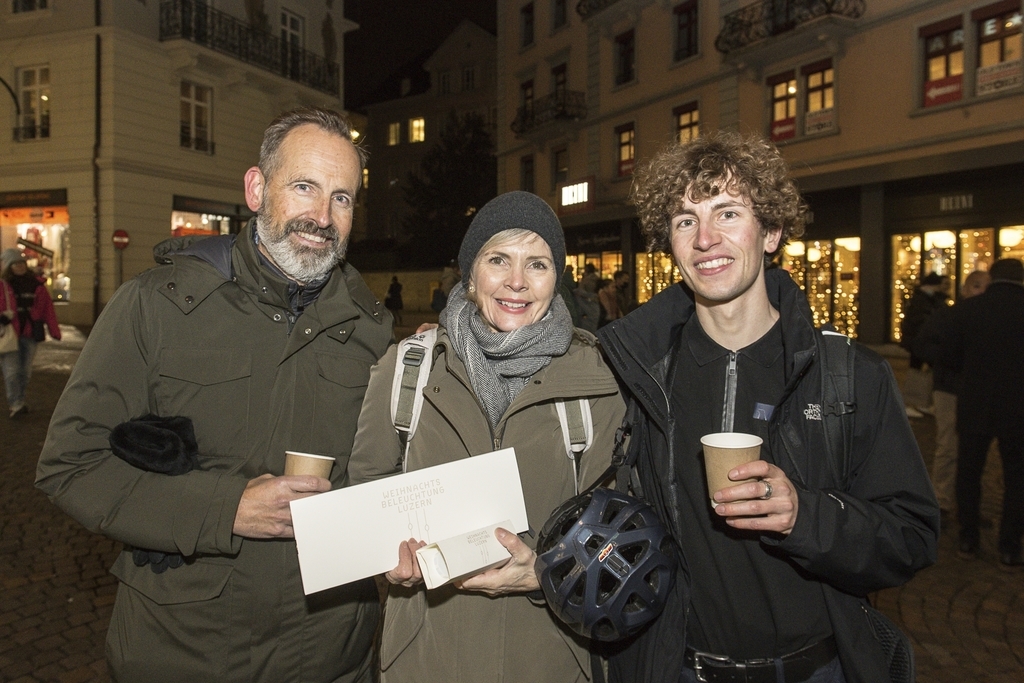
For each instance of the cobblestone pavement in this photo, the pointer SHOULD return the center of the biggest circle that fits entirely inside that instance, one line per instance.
(966, 618)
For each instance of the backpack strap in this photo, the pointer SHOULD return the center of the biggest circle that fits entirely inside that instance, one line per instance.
(838, 401)
(577, 430)
(411, 371)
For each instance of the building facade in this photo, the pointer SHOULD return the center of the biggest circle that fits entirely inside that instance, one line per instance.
(900, 119)
(458, 77)
(135, 120)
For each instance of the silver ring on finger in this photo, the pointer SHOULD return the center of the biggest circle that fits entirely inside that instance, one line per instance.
(767, 490)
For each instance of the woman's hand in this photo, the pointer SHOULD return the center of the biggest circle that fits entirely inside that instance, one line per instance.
(407, 573)
(515, 576)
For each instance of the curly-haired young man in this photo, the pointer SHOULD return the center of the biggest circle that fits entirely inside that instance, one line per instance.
(774, 578)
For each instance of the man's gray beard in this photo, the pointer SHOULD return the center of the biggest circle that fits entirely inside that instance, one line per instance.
(302, 264)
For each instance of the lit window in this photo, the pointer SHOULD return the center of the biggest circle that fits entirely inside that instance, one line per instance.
(28, 5)
(686, 29)
(526, 24)
(625, 57)
(366, 178)
(687, 122)
(417, 130)
(34, 95)
(394, 133)
(820, 88)
(526, 177)
(783, 91)
(195, 117)
(559, 15)
(999, 38)
(944, 62)
(559, 166)
(624, 136)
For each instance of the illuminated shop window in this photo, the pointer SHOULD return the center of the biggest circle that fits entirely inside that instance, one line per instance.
(606, 263)
(910, 264)
(654, 272)
(976, 252)
(828, 271)
(1011, 242)
(47, 228)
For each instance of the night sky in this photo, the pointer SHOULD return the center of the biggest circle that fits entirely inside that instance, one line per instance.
(391, 33)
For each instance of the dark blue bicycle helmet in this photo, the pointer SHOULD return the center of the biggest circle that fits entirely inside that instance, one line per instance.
(606, 564)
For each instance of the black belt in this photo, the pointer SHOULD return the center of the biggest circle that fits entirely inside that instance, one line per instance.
(796, 666)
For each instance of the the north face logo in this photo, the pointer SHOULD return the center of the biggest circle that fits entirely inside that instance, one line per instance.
(813, 411)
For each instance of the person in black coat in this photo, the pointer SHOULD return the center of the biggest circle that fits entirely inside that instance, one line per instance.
(985, 344)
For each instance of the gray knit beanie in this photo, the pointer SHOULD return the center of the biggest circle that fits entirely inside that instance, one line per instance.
(515, 209)
(10, 257)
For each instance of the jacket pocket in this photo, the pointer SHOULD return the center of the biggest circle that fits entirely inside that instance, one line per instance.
(403, 619)
(194, 582)
(341, 383)
(212, 387)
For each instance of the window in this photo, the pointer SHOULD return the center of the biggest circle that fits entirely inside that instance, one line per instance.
(394, 133)
(526, 24)
(291, 43)
(819, 86)
(526, 178)
(559, 166)
(625, 57)
(944, 62)
(559, 15)
(687, 122)
(686, 30)
(444, 83)
(819, 112)
(783, 91)
(28, 5)
(417, 130)
(469, 78)
(34, 95)
(999, 37)
(526, 97)
(195, 117)
(366, 178)
(558, 79)
(624, 136)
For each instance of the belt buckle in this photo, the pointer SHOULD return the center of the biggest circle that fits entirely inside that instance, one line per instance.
(698, 668)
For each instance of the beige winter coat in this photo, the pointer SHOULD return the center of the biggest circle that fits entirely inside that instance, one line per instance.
(460, 636)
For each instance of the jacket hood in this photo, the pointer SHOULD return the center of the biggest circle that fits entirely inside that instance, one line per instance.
(215, 250)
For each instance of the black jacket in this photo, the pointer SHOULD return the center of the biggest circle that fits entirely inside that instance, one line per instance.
(985, 343)
(874, 533)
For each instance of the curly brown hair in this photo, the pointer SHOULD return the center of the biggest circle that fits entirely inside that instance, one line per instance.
(746, 165)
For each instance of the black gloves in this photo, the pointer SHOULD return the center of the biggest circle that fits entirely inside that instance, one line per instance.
(165, 445)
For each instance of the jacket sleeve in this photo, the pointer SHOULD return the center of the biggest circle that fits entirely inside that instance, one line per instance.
(885, 526)
(42, 309)
(190, 513)
(376, 452)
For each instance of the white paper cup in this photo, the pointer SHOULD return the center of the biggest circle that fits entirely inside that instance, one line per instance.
(723, 452)
(306, 463)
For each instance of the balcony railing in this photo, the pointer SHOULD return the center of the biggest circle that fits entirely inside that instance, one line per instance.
(773, 17)
(588, 8)
(558, 106)
(196, 21)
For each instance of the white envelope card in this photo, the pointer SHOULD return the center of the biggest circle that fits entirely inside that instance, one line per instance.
(353, 533)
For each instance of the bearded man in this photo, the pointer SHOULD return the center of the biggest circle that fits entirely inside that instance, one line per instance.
(232, 351)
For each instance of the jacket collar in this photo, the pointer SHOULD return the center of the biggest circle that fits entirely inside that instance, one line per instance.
(641, 346)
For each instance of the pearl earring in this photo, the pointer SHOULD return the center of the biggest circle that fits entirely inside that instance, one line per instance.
(472, 289)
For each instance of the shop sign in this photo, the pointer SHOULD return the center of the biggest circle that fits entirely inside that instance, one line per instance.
(998, 77)
(576, 197)
(821, 121)
(943, 90)
(34, 198)
(784, 129)
(956, 202)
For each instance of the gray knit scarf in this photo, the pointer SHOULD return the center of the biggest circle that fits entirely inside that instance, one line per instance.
(501, 363)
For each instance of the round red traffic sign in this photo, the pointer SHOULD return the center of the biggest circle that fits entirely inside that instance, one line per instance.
(120, 239)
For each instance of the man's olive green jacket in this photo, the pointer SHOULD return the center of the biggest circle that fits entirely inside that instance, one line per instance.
(210, 337)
